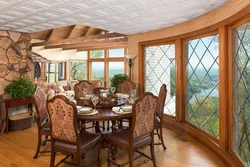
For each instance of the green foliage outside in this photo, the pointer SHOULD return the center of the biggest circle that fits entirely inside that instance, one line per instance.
(118, 78)
(206, 116)
(20, 87)
(78, 70)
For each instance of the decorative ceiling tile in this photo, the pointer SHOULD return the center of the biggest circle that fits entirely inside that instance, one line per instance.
(122, 16)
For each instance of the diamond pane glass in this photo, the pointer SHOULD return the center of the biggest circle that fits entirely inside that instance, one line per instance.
(160, 68)
(241, 93)
(202, 84)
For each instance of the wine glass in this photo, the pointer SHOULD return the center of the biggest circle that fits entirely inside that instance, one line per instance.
(112, 89)
(84, 91)
(94, 100)
(133, 93)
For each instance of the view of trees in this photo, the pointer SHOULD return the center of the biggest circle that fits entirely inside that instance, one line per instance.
(241, 93)
(78, 70)
(202, 83)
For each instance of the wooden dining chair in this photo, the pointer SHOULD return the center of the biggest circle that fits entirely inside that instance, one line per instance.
(66, 135)
(159, 115)
(140, 134)
(42, 120)
(126, 86)
(78, 89)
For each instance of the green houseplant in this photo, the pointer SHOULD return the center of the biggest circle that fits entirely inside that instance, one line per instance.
(118, 78)
(20, 87)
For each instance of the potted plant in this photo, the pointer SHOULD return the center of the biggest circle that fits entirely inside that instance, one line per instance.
(20, 87)
(118, 78)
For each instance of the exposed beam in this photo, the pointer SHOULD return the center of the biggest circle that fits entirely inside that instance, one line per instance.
(57, 43)
(102, 47)
(88, 43)
(51, 34)
(70, 31)
(87, 31)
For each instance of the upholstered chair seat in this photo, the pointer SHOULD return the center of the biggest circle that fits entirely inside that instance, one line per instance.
(66, 135)
(42, 120)
(140, 134)
(159, 115)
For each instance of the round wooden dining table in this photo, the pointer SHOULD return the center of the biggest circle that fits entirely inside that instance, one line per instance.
(106, 114)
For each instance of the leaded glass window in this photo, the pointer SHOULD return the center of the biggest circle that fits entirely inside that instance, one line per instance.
(202, 84)
(241, 93)
(160, 68)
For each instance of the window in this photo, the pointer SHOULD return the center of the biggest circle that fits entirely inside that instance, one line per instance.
(78, 70)
(241, 93)
(96, 54)
(97, 71)
(202, 84)
(160, 68)
(115, 68)
(55, 71)
(116, 53)
(105, 64)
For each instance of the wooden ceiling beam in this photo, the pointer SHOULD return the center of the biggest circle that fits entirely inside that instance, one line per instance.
(58, 43)
(51, 34)
(125, 45)
(88, 43)
(73, 27)
(87, 31)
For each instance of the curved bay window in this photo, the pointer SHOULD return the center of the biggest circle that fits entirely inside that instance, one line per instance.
(202, 84)
(241, 93)
(160, 69)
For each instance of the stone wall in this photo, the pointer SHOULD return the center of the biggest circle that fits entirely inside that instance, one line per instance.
(14, 57)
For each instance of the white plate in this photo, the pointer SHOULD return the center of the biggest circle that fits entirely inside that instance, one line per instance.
(85, 110)
(78, 107)
(89, 95)
(122, 95)
(126, 107)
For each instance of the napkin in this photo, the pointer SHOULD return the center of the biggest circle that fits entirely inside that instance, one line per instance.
(116, 109)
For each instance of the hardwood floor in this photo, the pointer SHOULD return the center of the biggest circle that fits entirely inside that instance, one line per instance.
(18, 148)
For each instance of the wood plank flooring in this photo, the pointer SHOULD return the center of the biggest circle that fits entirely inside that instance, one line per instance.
(18, 148)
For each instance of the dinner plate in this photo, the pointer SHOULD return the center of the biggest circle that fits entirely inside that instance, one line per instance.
(78, 107)
(89, 95)
(122, 95)
(126, 107)
(85, 110)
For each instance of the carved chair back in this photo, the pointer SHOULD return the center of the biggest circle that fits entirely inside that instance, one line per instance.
(63, 117)
(40, 104)
(161, 101)
(126, 86)
(78, 88)
(143, 118)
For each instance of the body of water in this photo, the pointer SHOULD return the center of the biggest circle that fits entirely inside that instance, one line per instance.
(204, 93)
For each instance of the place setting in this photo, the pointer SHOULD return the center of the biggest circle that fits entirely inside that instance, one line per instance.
(84, 110)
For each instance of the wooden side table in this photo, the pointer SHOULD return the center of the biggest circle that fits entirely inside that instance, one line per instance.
(13, 103)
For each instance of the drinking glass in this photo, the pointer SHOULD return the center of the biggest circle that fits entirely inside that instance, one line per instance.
(84, 91)
(133, 93)
(112, 89)
(94, 100)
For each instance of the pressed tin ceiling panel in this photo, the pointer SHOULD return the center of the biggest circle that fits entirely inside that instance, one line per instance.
(122, 16)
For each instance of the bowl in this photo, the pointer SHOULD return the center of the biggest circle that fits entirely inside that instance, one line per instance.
(85, 110)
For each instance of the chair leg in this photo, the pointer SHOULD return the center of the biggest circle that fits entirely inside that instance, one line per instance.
(153, 153)
(131, 158)
(38, 146)
(99, 155)
(157, 131)
(109, 155)
(162, 141)
(78, 159)
(52, 158)
(45, 140)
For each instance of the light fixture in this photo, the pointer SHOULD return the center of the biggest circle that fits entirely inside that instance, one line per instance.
(130, 58)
